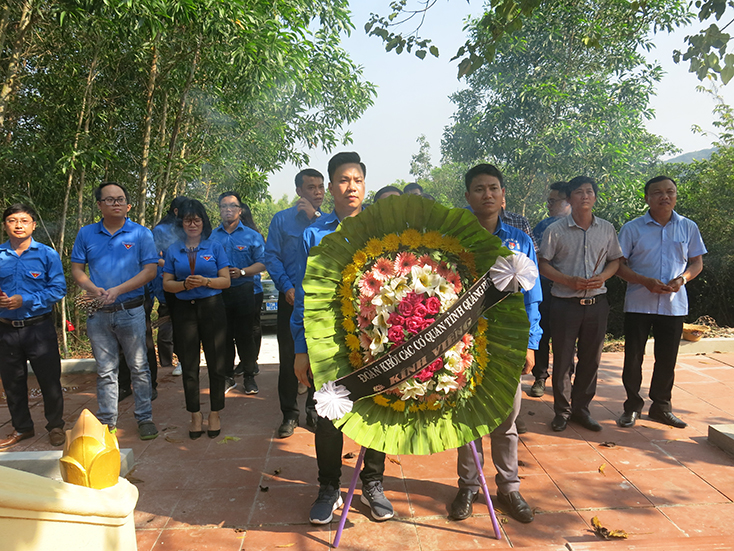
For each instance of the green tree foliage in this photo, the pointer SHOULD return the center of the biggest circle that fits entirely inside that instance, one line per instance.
(549, 108)
(707, 53)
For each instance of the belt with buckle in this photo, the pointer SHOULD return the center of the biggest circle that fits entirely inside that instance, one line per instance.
(129, 305)
(26, 322)
(587, 301)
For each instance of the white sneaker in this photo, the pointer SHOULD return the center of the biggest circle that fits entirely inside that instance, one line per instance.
(176, 370)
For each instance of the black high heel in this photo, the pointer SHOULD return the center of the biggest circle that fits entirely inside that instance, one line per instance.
(213, 433)
(194, 434)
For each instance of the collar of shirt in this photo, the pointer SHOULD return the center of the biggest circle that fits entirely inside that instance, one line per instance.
(204, 245)
(674, 218)
(9, 248)
(572, 222)
(125, 227)
(221, 228)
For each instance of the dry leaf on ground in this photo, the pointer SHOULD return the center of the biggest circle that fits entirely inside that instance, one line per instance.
(606, 533)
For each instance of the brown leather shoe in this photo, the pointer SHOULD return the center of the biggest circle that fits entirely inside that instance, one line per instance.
(57, 436)
(15, 437)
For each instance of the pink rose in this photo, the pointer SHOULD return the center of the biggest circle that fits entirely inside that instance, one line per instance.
(405, 307)
(433, 305)
(427, 372)
(427, 322)
(396, 334)
(420, 311)
(396, 319)
(414, 325)
(414, 298)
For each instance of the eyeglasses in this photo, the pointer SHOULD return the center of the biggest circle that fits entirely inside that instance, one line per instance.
(192, 221)
(114, 201)
(229, 207)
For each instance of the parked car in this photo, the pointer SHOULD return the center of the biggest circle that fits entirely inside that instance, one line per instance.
(269, 309)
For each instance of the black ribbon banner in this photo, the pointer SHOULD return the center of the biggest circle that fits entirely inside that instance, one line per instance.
(407, 359)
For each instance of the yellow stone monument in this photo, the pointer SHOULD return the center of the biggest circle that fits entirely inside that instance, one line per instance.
(92, 509)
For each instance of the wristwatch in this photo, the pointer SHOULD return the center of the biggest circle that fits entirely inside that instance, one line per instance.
(242, 272)
(683, 278)
(317, 214)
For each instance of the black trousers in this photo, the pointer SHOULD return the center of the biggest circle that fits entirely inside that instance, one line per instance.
(287, 381)
(39, 345)
(124, 379)
(257, 329)
(196, 323)
(329, 443)
(667, 331)
(572, 322)
(542, 354)
(165, 337)
(239, 304)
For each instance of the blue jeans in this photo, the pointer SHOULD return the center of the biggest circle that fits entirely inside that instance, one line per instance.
(108, 333)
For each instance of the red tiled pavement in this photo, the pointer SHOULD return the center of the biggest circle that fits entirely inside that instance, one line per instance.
(247, 489)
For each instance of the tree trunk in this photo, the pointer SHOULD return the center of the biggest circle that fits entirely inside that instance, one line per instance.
(147, 125)
(179, 115)
(4, 25)
(160, 190)
(14, 61)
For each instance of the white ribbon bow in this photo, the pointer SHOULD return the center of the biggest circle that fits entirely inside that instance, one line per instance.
(510, 273)
(332, 401)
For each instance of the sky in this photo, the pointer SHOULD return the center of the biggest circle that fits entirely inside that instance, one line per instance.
(413, 97)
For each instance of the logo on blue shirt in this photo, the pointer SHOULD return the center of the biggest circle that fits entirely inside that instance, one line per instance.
(207, 257)
(128, 245)
(35, 275)
(512, 245)
(240, 247)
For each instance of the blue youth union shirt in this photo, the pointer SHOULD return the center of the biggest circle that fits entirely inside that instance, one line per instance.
(36, 275)
(244, 246)
(114, 259)
(210, 258)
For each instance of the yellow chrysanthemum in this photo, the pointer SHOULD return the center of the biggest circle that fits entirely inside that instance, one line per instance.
(352, 342)
(413, 408)
(347, 309)
(349, 325)
(451, 245)
(391, 242)
(467, 259)
(345, 291)
(482, 325)
(380, 400)
(359, 259)
(349, 274)
(410, 238)
(432, 239)
(355, 359)
(481, 342)
(373, 249)
(398, 405)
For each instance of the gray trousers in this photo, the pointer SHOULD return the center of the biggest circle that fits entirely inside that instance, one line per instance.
(572, 322)
(504, 455)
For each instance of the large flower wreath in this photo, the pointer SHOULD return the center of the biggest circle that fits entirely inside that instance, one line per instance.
(382, 277)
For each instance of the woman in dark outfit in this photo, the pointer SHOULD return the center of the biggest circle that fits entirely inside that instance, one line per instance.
(196, 270)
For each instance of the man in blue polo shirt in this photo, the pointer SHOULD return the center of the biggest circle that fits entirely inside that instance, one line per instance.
(662, 252)
(485, 193)
(122, 258)
(31, 282)
(281, 258)
(245, 248)
(347, 186)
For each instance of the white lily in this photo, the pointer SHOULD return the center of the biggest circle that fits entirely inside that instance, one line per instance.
(425, 280)
(446, 384)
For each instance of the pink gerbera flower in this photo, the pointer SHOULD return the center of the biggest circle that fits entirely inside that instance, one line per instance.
(404, 262)
(383, 269)
(454, 279)
(369, 285)
(426, 260)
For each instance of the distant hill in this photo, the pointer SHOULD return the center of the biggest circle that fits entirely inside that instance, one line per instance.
(700, 155)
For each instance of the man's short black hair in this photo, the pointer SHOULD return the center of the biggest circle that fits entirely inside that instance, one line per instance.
(658, 179)
(579, 181)
(413, 185)
(561, 187)
(386, 189)
(229, 194)
(312, 172)
(193, 207)
(345, 158)
(20, 207)
(100, 187)
(483, 168)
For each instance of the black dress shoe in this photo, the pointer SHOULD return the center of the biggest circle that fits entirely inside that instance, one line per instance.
(559, 423)
(628, 419)
(520, 426)
(287, 428)
(312, 418)
(14, 437)
(514, 505)
(461, 507)
(586, 421)
(667, 418)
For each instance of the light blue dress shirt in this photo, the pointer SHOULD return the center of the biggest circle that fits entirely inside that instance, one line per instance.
(660, 252)
(244, 246)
